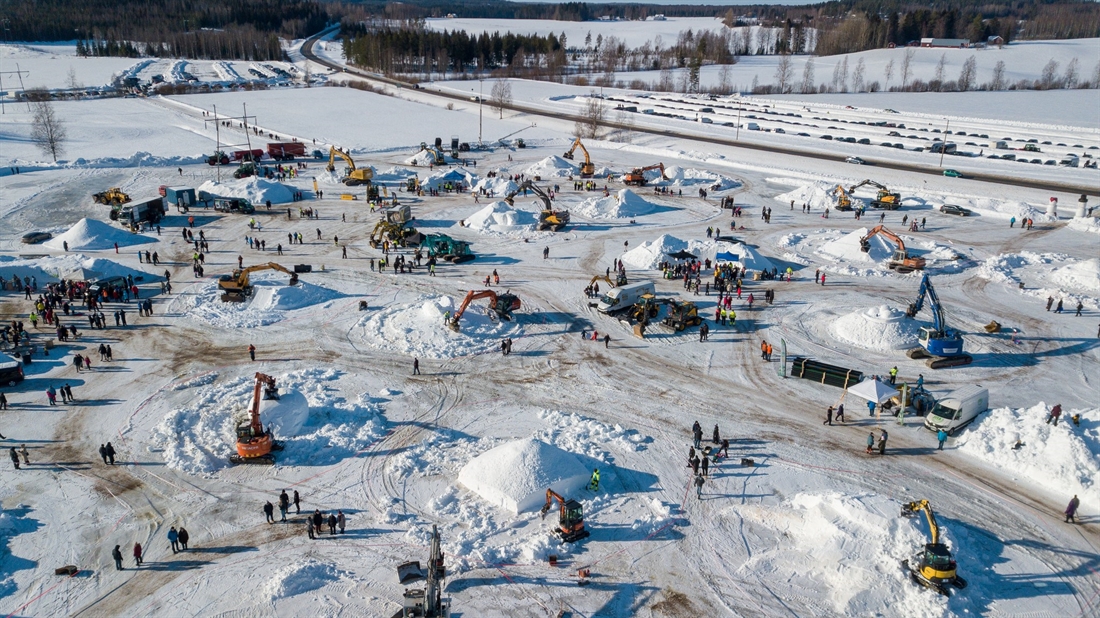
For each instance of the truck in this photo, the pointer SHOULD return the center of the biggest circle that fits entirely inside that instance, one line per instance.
(181, 197)
(149, 210)
(248, 155)
(286, 151)
(625, 297)
(958, 409)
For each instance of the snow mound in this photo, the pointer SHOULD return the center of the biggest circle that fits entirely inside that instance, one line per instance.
(500, 217)
(743, 255)
(287, 414)
(881, 329)
(272, 301)
(552, 167)
(423, 158)
(680, 176)
(515, 475)
(69, 266)
(818, 195)
(1085, 224)
(394, 174)
(649, 255)
(256, 190)
(1082, 275)
(300, 577)
(419, 329)
(441, 177)
(93, 235)
(624, 205)
(1006, 209)
(1064, 460)
(496, 186)
(847, 248)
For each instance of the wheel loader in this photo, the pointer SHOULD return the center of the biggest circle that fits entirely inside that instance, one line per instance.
(111, 197)
(682, 314)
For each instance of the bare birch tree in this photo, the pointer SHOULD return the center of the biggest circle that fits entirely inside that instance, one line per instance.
(47, 130)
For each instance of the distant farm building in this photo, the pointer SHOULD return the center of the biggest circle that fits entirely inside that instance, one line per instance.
(958, 43)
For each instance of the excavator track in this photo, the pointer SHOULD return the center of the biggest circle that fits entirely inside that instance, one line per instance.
(941, 362)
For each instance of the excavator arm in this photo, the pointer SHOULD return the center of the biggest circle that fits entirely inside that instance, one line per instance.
(527, 184)
(878, 229)
(843, 202)
(602, 278)
(262, 381)
(923, 506)
(333, 153)
(865, 183)
(552, 495)
(471, 296)
(587, 168)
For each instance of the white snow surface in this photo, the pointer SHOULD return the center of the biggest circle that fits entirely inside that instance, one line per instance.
(624, 205)
(650, 254)
(881, 328)
(92, 235)
(502, 218)
(515, 476)
(553, 167)
(256, 190)
(418, 329)
(272, 301)
(300, 577)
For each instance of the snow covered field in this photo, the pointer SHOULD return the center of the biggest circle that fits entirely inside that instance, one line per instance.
(812, 529)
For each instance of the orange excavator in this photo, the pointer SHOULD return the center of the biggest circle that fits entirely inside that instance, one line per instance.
(500, 305)
(254, 444)
(901, 261)
(570, 517)
(636, 176)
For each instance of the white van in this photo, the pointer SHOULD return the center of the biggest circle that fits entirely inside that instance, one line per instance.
(958, 409)
(1070, 160)
(620, 298)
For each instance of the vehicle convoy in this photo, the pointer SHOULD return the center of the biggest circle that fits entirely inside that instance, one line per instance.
(901, 260)
(501, 306)
(133, 214)
(549, 218)
(286, 151)
(570, 517)
(234, 204)
(236, 287)
(587, 168)
(941, 346)
(624, 297)
(933, 567)
(637, 177)
(353, 176)
(111, 197)
(958, 409)
(884, 200)
(448, 249)
(254, 443)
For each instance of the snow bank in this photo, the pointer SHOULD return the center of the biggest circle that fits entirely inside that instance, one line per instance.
(287, 414)
(818, 195)
(624, 205)
(63, 266)
(552, 167)
(681, 176)
(423, 158)
(418, 329)
(515, 475)
(500, 217)
(1046, 274)
(1005, 209)
(1064, 460)
(881, 329)
(1081, 275)
(272, 301)
(256, 190)
(92, 235)
(1085, 224)
(301, 576)
(743, 255)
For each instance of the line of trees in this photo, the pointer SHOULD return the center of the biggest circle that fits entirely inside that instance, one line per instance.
(239, 43)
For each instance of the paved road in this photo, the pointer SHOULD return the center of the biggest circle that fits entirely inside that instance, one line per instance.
(307, 51)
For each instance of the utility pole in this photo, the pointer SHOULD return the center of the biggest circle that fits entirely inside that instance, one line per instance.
(480, 109)
(737, 131)
(18, 73)
(943, 144)
(217, 120)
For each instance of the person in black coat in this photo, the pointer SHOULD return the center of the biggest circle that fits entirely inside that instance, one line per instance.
(117, 555)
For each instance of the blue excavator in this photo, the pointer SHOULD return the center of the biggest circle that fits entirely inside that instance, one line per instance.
(941, 346)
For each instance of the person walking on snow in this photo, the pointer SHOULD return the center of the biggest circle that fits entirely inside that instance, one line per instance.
(715, 438)
(183, 537)
(705, 465)
(1055, 412)
(174, 539)
(416, 366)
(309, 527)
(14, 458)
(137, 554)
(882, 442)
(284, 504)
(25, 454)
(251, 352)
(331, 524)
(839, 414)
(116, 553)
(941, 435)
(870, 442)
(594, 484)
(697, 434)
(695, 465)
(828, 416)
(699, 486)
(297, 503)
(340, 520)
(1071, 510)
(894, 375)
(269, 511)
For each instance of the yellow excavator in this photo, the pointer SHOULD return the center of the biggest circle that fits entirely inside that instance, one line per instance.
(236, 287)
(636, 176)
(901, 261)
(843, 202)
(549, 219)
(353, 176)
(933, 567)
(254, 443)
(884, 199)
(587, 169)
(620, 280)
(500, 305)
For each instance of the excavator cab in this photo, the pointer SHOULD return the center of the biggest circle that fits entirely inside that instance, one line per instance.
(934, 567)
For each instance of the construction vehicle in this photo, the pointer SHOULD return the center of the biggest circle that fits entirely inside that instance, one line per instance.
(111, 197)
(549, 218)
(248, 155)
(396, 233)
(426, 602)
(245, 170)
(884, 199)
(642, 313)
(587, 169)
(843, 202)
(286, 151)
(398, 215)
(933, 567)
(941, 346)
(570, 517)
(234, 204)
(682, 314)
(637, 177)
(353, 176)
(236, 287)
(500, 305)
(448, 249)
(133, 214)
(254, 443)
(620, 279)
(901, 261)
(437, 152)
(218, 158)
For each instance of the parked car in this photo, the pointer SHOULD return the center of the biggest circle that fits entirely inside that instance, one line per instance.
(829, 137)
(952, 173)
(33, 238)
(952, 209)
(855, 160)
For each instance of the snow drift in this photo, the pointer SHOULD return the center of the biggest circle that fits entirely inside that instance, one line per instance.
(515, 476)
(272, 301)
(418, 329)
(92, 235)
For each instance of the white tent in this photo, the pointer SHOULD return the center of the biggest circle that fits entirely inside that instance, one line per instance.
(873, 390)
(516, 475)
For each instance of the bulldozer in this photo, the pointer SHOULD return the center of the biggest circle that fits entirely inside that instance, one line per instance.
(843, 202)
(353, 176)
(254, 443)
(933, 567)
(448, 249)
(681, 314)
(111, 197)
(570, 517)
(236, 287)
(587, 168)
(884, 199)
(637, 177)
(500, 305)
(396, 233)
(901, 261)
(549, 219)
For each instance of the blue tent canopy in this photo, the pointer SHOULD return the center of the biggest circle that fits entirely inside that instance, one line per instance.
(726, 256)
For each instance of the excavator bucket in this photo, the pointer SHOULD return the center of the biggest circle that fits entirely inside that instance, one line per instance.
(993, 327)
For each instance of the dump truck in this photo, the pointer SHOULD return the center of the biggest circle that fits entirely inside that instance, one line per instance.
(286, 151)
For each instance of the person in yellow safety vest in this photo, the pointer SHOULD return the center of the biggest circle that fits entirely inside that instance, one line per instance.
(594, 484)
(894, 375)
(733, 317)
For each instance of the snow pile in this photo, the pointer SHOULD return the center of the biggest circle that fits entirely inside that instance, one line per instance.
(588, 436)
(1006, 209)
(394, 174)
(424, 158)
(69, 266)
(514, 476)
(256, 190)
(624, 205)
(1081, 275)
(272, 301)
(299, 577)
(1064, 460)
(680, 176)
(500, 217)
(847, 248)
(1059, 275)
(93, 235)
(881, 329)
(1085, 224)
(818, 195)
(440, 178)
(552, 167)
(286, 415)
(497, 186)
(743, 255)
(419, 329)
(649, 255)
